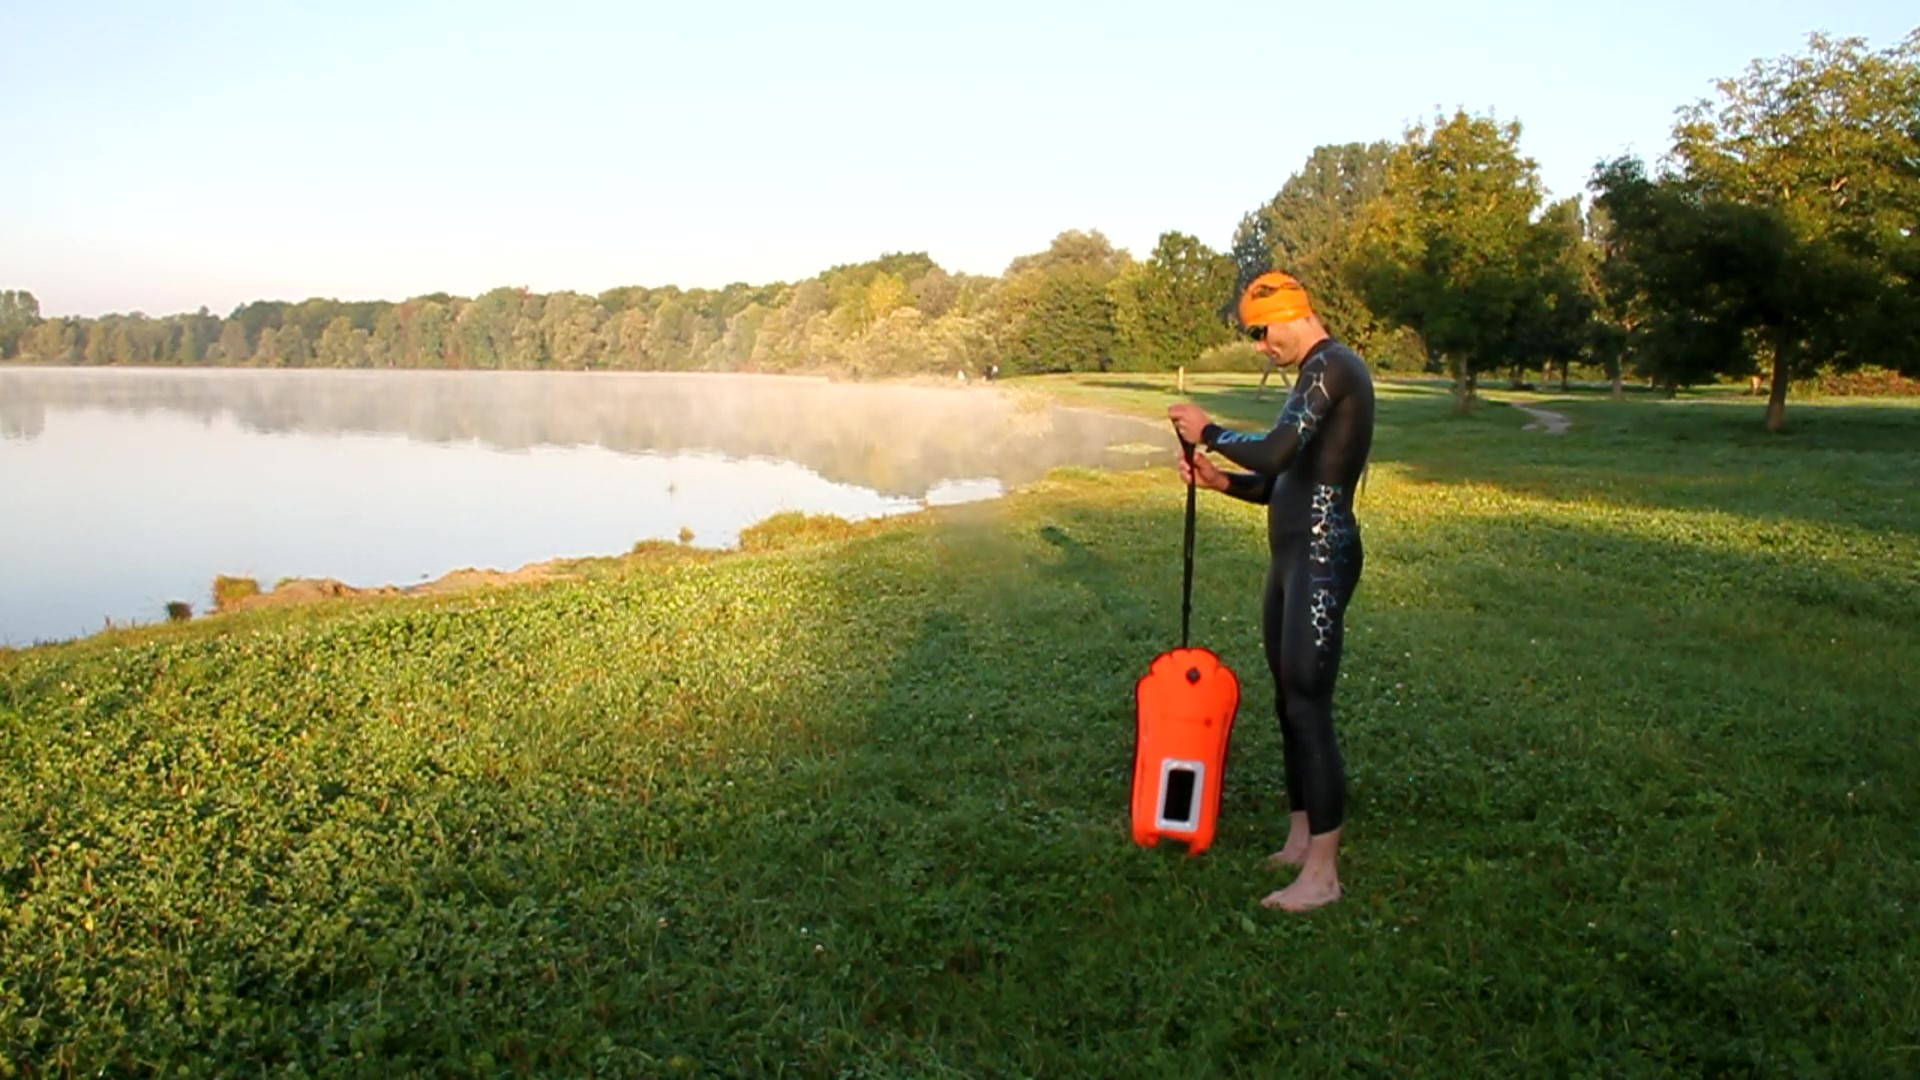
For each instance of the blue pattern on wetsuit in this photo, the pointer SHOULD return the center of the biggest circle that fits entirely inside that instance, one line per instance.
(1305, 408)
(1331, 553)
(1308, 404)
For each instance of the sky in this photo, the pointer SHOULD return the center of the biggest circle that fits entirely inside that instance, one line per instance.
(164, 156)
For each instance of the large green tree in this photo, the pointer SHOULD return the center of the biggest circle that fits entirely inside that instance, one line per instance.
(1555, 322)
(1449, 249)
(1309, 230)
(1053, 310)
(1166, 309)
(1714, 283)
(1828, 142)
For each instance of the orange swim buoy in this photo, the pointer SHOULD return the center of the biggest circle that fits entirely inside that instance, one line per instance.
(1184, 708)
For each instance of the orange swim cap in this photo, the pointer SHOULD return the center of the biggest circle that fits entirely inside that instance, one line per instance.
(1273, 297)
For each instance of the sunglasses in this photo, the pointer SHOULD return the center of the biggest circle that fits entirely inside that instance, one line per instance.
(1257, 333)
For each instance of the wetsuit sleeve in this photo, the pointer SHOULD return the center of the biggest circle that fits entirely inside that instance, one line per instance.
(1313, 397)
(1250, 487)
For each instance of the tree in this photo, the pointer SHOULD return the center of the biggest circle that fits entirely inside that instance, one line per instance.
(341, 344)
(859, 294)
(573, 324)
(19, 313)
(1713, 282)
(669, 338)
(1052, 310)
(736, 348)
(53, 341)
(1615, 307)
(231, 346)
(484, 329)
(1059, 319)
(1445, 250)
(957, 342)
(628, 337)
(194, 336)
(1554, 323)
(256, 320)
(933, 292)
(1089, 250)
(884, 294)
(1827, 142)
(893, 346)
(284, 347)
(427, 332)
(1166, 309)
(1309, 229)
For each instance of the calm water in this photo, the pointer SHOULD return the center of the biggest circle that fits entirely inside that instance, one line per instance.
(122, 490)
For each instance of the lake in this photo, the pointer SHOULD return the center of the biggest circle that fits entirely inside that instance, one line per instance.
(124, 489)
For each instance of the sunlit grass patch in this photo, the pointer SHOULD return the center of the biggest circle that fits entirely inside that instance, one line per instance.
(794, 529)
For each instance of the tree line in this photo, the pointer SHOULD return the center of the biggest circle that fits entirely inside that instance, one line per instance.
(1780, 238)
(1080, 305)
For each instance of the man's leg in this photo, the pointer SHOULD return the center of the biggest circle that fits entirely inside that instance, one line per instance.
(1313, 628)
(1272, 616)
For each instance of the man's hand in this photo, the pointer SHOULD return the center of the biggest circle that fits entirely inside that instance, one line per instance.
(1203, 473)
(1188, 419)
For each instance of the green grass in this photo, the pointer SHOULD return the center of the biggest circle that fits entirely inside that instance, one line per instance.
(1628, 716)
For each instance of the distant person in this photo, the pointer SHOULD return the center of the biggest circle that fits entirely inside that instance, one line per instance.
(1304, 470)
(993, 372)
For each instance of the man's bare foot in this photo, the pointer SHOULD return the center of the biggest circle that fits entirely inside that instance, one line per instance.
(1293, 854)
(1319, 882)
(1294, 851)
(1303, 895)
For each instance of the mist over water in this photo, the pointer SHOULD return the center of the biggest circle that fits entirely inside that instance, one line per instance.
(125, 489)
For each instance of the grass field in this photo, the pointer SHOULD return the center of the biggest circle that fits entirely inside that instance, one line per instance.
(1629, 716)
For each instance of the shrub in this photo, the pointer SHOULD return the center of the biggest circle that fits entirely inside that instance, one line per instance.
(1868, 382)
(1233, 356)
(228, 591)
(794, 529)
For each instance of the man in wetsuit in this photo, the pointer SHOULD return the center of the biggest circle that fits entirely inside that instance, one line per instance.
(1304, 470)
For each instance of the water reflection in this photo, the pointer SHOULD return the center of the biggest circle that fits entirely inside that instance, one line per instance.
(895, 439)
(127, 489)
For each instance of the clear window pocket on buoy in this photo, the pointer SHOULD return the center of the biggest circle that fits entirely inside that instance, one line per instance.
(1182, 783)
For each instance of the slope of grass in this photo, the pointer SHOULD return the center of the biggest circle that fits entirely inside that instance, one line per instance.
(1628, 715)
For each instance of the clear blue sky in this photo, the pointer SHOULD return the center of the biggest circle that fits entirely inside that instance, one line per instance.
(162, 156)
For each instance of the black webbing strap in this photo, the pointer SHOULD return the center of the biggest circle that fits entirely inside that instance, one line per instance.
(1186, 585)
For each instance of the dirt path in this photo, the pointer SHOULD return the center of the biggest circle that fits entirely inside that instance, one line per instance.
(1546, 420)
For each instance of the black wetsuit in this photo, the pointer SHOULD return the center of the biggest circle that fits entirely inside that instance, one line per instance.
(1305, 470)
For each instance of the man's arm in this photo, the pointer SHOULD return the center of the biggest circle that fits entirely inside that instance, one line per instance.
(1250, 487)
(1269, 455)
